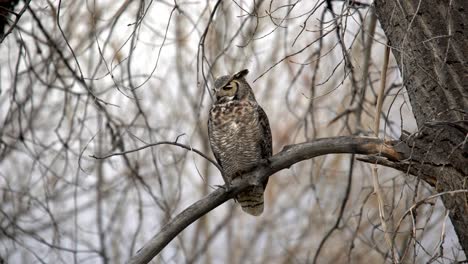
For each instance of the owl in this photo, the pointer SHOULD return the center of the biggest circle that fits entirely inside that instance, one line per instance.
(240, 135)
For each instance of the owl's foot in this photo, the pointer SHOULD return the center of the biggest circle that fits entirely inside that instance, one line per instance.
(226, 187)
(265, 162)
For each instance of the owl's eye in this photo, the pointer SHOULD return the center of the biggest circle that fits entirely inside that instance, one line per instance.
(232, 84)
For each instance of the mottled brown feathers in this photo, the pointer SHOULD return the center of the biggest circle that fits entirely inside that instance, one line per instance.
(240, 136)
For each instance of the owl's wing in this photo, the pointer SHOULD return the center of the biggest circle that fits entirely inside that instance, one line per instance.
(266, 143)
(215, 151)
(213, 148)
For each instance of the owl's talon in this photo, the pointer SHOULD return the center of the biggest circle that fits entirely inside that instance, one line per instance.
(227, 187)
(265, 162)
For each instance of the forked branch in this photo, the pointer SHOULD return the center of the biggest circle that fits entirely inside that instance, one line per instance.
(289, 156)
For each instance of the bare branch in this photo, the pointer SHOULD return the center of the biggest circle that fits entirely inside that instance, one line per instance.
(157, 144)
(289, 156)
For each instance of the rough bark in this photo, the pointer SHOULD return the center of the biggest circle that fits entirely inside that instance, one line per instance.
(429, 41)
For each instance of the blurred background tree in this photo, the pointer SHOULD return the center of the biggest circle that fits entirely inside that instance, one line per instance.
(86, 79)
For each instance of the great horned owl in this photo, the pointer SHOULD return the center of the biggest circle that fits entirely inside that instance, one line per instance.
(240, 135)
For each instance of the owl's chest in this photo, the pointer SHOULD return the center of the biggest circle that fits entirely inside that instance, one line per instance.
(234, 118)
(235, 134)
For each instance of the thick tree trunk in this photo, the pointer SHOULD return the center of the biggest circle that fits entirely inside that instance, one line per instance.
(429, 41)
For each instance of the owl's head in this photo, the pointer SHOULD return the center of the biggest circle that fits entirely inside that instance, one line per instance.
(233, 87)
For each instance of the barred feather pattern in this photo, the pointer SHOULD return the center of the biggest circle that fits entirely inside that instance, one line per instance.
(240, 137)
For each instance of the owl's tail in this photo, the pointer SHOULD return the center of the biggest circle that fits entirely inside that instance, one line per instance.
(251, 200)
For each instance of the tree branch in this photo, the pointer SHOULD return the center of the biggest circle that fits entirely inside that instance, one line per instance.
(289, 156)
(187, 147)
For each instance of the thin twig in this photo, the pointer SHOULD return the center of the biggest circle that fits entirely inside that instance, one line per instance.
(157, 144)
(375, 177)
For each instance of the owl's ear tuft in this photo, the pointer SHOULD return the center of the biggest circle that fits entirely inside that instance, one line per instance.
(241, 74)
